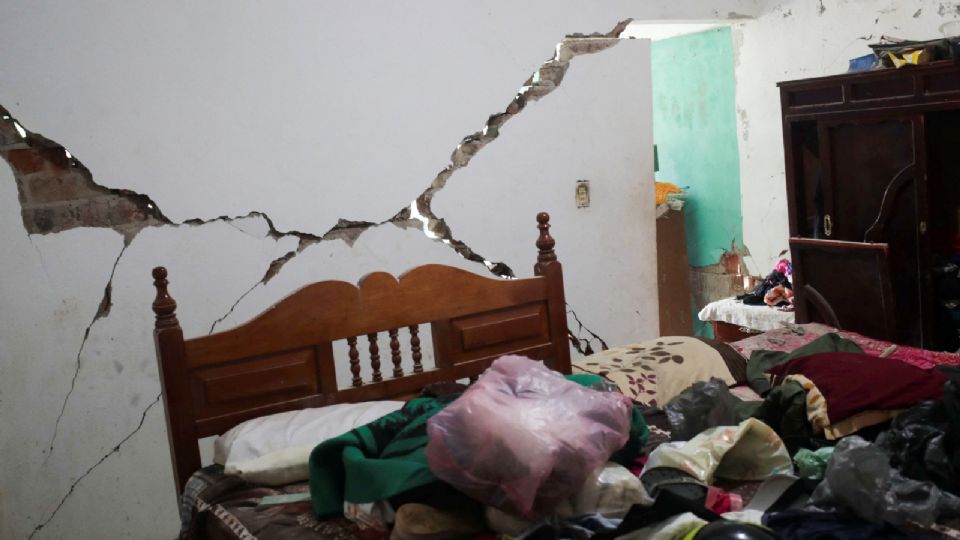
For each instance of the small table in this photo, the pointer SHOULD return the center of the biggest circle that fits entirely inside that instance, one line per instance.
(733, 320)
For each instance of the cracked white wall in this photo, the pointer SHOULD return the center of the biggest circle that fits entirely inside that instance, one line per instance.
(308, 112)
(797, 39)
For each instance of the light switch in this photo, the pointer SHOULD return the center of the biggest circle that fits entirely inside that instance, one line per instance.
(583, 193)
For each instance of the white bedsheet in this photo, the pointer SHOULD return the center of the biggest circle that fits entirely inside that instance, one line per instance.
(759, 318)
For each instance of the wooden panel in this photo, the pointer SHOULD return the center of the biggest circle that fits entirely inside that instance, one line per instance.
(728, 333)
(283, 373)
(934, 86)
(863, 157)
(673, 276)
(942, 83)
(380, 302)
(491, 334)
(505, 326)
(881, 89)
(854, 280)
(250, 383)
(806, 97)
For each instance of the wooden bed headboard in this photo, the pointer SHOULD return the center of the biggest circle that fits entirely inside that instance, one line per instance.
(283, 359)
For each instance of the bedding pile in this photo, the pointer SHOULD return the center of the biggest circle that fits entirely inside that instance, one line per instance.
(817, 434)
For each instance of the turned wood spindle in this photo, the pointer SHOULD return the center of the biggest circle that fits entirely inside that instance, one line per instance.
(354, 361)
(374, 357)
(164, 306)
(545, 242)
(395, 353)
(415, 347)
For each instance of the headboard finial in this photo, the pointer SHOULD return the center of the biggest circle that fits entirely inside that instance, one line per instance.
(164, 305)
(545, 242)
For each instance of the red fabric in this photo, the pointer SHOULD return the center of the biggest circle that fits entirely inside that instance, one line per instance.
(853, 382)
(720, 502)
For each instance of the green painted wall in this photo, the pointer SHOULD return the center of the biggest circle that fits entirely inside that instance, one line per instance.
(695, 130)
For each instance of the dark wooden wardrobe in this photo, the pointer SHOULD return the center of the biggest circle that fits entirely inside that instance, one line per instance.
(873, 188)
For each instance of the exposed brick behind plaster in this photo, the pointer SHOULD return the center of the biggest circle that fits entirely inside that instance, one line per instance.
(58, 193)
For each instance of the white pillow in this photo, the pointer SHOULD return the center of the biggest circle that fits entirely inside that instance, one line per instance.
(289, 430)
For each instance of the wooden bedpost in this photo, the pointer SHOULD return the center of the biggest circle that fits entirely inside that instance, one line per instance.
(549, 267)
(177, 398)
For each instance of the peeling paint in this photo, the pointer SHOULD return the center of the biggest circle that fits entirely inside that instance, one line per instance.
(733, 15)
(820, 7)
(917, 14)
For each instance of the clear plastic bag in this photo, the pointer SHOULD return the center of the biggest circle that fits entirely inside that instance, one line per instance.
(523, 438)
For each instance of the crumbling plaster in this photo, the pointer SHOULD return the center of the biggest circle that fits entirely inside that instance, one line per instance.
(263, 133)
(798, 39)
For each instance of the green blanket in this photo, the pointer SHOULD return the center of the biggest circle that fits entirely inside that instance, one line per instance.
(388, 456)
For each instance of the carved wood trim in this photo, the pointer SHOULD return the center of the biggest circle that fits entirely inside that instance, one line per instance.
(876, 231)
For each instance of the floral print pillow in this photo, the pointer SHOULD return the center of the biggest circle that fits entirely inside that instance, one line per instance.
(653, 372)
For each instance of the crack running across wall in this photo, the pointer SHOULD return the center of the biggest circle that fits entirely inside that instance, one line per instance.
(584, 346)
(102, 311)
(57, 193)
(112, 451)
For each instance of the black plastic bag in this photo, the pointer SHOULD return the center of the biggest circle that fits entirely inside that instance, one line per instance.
(924, 441)
(704, 405)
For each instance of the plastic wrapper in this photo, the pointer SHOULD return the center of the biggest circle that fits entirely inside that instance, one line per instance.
(701, 406)
(610, 492)
(860, 479)
(750, 450)
(812, 464)
(522, 438)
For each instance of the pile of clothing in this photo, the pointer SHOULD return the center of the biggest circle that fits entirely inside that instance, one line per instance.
(823, 441)
(775, 290)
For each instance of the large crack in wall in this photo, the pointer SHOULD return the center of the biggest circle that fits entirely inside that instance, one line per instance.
(58, 193)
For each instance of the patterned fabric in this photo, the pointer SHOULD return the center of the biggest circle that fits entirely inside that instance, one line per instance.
(797, 335)
(816, 404)
(654, 372)
(215, 506)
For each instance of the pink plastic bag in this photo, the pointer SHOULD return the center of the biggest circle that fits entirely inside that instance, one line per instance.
(523, 438)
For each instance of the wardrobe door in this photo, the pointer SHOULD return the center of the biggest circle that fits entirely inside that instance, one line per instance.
(864, 157)
(875, 192)
(845, 284)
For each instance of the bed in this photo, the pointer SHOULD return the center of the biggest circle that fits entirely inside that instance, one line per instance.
(283, 360)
